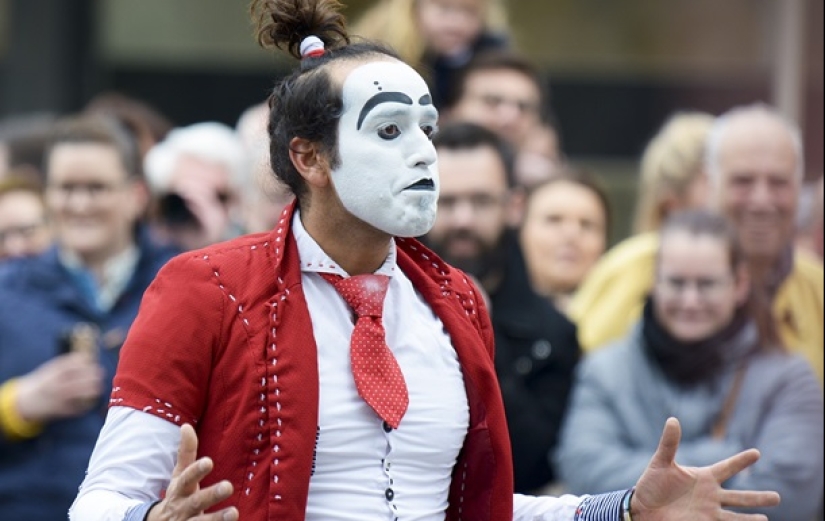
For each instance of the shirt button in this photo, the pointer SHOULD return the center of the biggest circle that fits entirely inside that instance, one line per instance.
(523, 365)
(542, 349)
(387, 427)
(389, 494)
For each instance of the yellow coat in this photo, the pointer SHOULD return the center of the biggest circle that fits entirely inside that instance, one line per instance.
(610, 299)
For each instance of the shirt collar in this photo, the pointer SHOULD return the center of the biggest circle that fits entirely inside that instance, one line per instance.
(315, 260)
(117, 272)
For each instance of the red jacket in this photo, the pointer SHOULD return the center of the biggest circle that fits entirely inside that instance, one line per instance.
(224, 341)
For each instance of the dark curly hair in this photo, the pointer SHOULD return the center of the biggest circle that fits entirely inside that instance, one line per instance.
(306, 104)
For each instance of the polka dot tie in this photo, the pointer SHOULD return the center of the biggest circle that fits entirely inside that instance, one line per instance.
(378, 377)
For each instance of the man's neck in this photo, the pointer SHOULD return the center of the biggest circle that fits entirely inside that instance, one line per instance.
(760, 271)
(96, 263)
(354, 245)
(770, 272)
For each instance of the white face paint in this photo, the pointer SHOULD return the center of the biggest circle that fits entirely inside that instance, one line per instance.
(388, 176)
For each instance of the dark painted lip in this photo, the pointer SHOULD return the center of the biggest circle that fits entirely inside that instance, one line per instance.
(422, 184)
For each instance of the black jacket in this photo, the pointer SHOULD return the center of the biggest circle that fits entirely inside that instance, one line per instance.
(536, 353)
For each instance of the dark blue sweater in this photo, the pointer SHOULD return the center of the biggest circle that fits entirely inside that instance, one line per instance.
(40, 301)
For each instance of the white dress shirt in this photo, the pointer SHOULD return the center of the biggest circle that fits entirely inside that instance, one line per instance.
(361, 471)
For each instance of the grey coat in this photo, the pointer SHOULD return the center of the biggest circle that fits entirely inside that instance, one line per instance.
(621, 401)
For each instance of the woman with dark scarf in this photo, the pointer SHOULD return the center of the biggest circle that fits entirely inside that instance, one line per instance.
(706, 352)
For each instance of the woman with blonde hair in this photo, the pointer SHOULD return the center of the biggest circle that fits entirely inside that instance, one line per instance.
(672, 179)
(437, 37)
(671, 170)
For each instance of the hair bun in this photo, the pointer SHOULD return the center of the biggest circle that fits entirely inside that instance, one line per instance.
(286, 24)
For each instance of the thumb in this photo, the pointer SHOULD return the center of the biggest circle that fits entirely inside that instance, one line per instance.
(665, 455)
(187, 450)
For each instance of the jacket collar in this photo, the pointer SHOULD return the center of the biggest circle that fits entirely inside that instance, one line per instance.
(411, 252)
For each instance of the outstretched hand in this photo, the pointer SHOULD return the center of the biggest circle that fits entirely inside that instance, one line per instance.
(669, 492)
(184, 499)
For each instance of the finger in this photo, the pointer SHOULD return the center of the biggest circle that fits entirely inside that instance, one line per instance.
(227, 514)
(84, 383)
(668, 445)
(727, 468)
(748, 498)
(732, 516)
(209, 496)
(72, 364)
(186, 483)
(187, 450)
(80, 388)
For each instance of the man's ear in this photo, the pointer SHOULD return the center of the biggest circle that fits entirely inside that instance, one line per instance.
(139, 198)
(309, 161)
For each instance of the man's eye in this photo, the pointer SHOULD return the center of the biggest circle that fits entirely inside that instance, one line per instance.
(389, 132)
(429, 131)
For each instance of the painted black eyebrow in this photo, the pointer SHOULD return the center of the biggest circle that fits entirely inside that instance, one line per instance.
(383, 97)
(425, 100)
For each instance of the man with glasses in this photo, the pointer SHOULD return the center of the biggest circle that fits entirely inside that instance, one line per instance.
(536, 346)
(500, 91)
(65, 313)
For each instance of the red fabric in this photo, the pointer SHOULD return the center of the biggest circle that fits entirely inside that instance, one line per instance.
(378, 378)
(224, 341)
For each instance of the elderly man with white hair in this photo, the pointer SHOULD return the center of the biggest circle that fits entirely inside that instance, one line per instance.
(754, 164)
(196, 175)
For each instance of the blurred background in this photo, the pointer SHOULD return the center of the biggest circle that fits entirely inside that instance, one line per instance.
(614, 70)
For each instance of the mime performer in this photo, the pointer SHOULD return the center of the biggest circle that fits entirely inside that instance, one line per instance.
(335, 369)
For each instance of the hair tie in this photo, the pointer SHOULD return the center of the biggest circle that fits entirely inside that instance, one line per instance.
(312, 47)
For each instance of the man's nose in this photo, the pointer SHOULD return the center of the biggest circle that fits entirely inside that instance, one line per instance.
(422, 153)
(78, 199)
(761, 194)
(508, 112)
(463, 213)
(691, 295)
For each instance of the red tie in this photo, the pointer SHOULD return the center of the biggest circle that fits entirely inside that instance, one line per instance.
(378, 377)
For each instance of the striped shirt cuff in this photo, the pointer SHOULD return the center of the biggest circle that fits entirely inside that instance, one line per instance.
(601, 507)
(139, 512)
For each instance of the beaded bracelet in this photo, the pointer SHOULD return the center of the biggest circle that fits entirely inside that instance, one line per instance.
(626, 505)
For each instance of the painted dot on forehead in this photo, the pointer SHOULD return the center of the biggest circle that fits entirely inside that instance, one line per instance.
(378, 84)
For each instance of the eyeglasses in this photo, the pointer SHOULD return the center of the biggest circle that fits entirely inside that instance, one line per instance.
(706, 287)
(477, 202)
(20, 231)
(495, 101)
(93, 190)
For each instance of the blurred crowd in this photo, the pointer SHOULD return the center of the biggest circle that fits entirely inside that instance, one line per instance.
(711, 311)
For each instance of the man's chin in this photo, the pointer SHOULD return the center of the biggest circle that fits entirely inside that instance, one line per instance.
(81, 242)
(408, 230)
(764, 248)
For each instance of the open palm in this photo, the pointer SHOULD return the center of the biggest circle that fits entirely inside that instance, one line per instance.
(185, 499)
(669, 492)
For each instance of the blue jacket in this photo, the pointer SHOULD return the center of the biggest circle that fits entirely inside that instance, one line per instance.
(39, 302)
